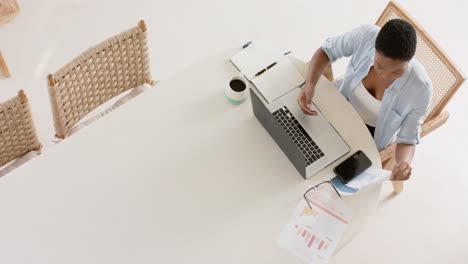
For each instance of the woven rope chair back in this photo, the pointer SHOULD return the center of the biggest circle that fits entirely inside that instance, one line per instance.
(446, 78)
(102, 72)
(17, 132)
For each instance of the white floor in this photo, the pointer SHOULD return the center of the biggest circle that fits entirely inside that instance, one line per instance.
(427, 223)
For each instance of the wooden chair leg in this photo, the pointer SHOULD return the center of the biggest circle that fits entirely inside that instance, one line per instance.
(4, 66)
(397, 185)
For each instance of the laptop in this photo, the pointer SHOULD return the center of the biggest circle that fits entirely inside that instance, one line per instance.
(310, 142)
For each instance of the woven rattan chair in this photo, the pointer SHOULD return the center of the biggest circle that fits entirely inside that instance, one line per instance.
(17, 131)
(446, 80)
(99, 74)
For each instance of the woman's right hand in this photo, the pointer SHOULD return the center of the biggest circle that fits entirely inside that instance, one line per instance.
(305, 100)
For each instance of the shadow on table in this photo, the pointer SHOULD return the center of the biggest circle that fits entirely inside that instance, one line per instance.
(386, 199)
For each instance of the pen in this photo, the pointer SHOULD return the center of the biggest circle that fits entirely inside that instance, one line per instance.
(264, 70)
(246, 44)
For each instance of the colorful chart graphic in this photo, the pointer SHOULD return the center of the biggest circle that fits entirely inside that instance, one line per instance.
(308, 212)
(310, 238)
(315, 229)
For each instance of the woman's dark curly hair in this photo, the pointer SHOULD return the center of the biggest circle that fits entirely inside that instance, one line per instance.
(397, 40)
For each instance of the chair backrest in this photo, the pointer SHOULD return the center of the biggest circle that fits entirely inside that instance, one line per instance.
(102, 72)
(17, 132)
(446, 77)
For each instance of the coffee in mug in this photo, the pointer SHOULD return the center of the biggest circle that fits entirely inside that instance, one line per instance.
(236, 91)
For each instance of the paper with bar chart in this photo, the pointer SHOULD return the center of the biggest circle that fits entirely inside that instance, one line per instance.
(312, 234)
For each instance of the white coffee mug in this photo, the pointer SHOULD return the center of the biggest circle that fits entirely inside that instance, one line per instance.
(236, 90)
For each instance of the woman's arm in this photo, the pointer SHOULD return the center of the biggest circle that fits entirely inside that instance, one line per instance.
(404, 156)
(317, 66)
(409, 134)
(331, 50)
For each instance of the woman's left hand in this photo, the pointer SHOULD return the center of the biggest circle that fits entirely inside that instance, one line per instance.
(401, 171)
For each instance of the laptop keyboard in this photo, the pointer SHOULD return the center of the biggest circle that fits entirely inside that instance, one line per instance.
(297, 133)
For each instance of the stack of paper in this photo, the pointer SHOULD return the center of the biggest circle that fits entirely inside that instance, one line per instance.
(254, 58)
(313, 232)
(271, 72)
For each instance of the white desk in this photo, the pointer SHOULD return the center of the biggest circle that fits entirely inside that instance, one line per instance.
(178, 175)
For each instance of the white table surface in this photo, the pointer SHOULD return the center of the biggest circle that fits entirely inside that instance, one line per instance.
(177, 175)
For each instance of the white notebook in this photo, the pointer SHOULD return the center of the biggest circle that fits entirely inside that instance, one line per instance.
(280, 77)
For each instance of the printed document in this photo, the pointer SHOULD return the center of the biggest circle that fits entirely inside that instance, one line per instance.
(313, 232)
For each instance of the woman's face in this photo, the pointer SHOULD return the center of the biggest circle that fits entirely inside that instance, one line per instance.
(388, 69)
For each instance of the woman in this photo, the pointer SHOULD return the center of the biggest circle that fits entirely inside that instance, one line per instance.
(390, 91)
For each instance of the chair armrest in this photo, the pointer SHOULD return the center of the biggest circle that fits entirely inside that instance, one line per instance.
(434, 123)
(328, 73)
(426, 128)
(387, 153)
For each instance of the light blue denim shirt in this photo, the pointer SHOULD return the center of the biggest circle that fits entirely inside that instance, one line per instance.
(405, 101)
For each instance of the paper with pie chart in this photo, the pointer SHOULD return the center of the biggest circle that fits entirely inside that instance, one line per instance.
(312, 234)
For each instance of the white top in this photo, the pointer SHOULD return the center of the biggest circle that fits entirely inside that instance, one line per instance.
(366, 105)
(170, 179)
(410, 93)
